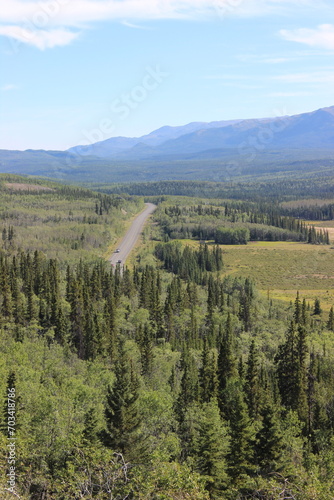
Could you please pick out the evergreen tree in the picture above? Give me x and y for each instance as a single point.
(121, 411)
(240, 457)
(252, 387)
(317, 307)
(189, 389)
(269, 446)
(146, 351)
(31, 305)
(330, 322)
(208, 375)
(302, 373)
(304, 315)
(6, 309)
(110, 326)
(211, 448)
(291, 370)
(226, 361)
(298, 311)
(90, 433)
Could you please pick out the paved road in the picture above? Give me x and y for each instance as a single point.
(132, 235)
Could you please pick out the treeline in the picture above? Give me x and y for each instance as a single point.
(322, 212)
(232, 236)
(190, 264)
(278, 190)
(235, 223)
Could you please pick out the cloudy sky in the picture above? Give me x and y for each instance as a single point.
(78, 71)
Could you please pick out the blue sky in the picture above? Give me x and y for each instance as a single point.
(78, 71)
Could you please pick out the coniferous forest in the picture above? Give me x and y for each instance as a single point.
(168, 377)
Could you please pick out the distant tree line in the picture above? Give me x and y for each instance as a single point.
(187, 263)
(235, 223)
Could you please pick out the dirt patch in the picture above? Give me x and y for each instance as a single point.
(20, 186)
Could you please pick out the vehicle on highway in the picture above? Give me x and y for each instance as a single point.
(119, 261)
(117, 251)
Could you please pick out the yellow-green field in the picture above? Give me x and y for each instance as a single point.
(284, 267)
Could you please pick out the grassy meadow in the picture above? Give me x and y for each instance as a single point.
(279, 269)
(282, 268)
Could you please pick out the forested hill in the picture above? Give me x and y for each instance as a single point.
(273, 190)
(171, 379)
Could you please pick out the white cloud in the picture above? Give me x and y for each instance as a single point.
(135, 26)
(263, 59)
(8, 86)
(321, 37)
(289, 94)
(42, 39)
(226, 77)
(74, 12)
(48, 19)
(316, 77)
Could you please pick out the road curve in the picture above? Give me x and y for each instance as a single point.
(131, 237)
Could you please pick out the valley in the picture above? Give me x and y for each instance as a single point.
(189, 338)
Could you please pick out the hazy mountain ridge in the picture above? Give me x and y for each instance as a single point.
(197, 150)
(308, 130)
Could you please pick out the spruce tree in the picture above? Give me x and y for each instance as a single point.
(268, 448)
(330, 322)
(240, 457)
(302, 349)
(146, 351)
(297, 312)
(7, 303)
(304, 315)
(208, 375)
(291, 370)
(121, 411)
(252, 386)
(317, 307)
(189, 388)
(210, 448)
(226, 361)
(287, 368)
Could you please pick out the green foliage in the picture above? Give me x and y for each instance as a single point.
(269, 441)
(226, 236)
(189, 264)
(291, 370)
(121, 411)
(61, 221)
(234, 222)
(211, 444)
(174, 380)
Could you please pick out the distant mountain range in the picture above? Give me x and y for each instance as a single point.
(310, 130)
(173, 152)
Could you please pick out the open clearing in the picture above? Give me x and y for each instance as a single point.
(281, 268)
(284, 267)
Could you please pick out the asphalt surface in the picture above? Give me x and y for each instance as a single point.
(132, 235)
